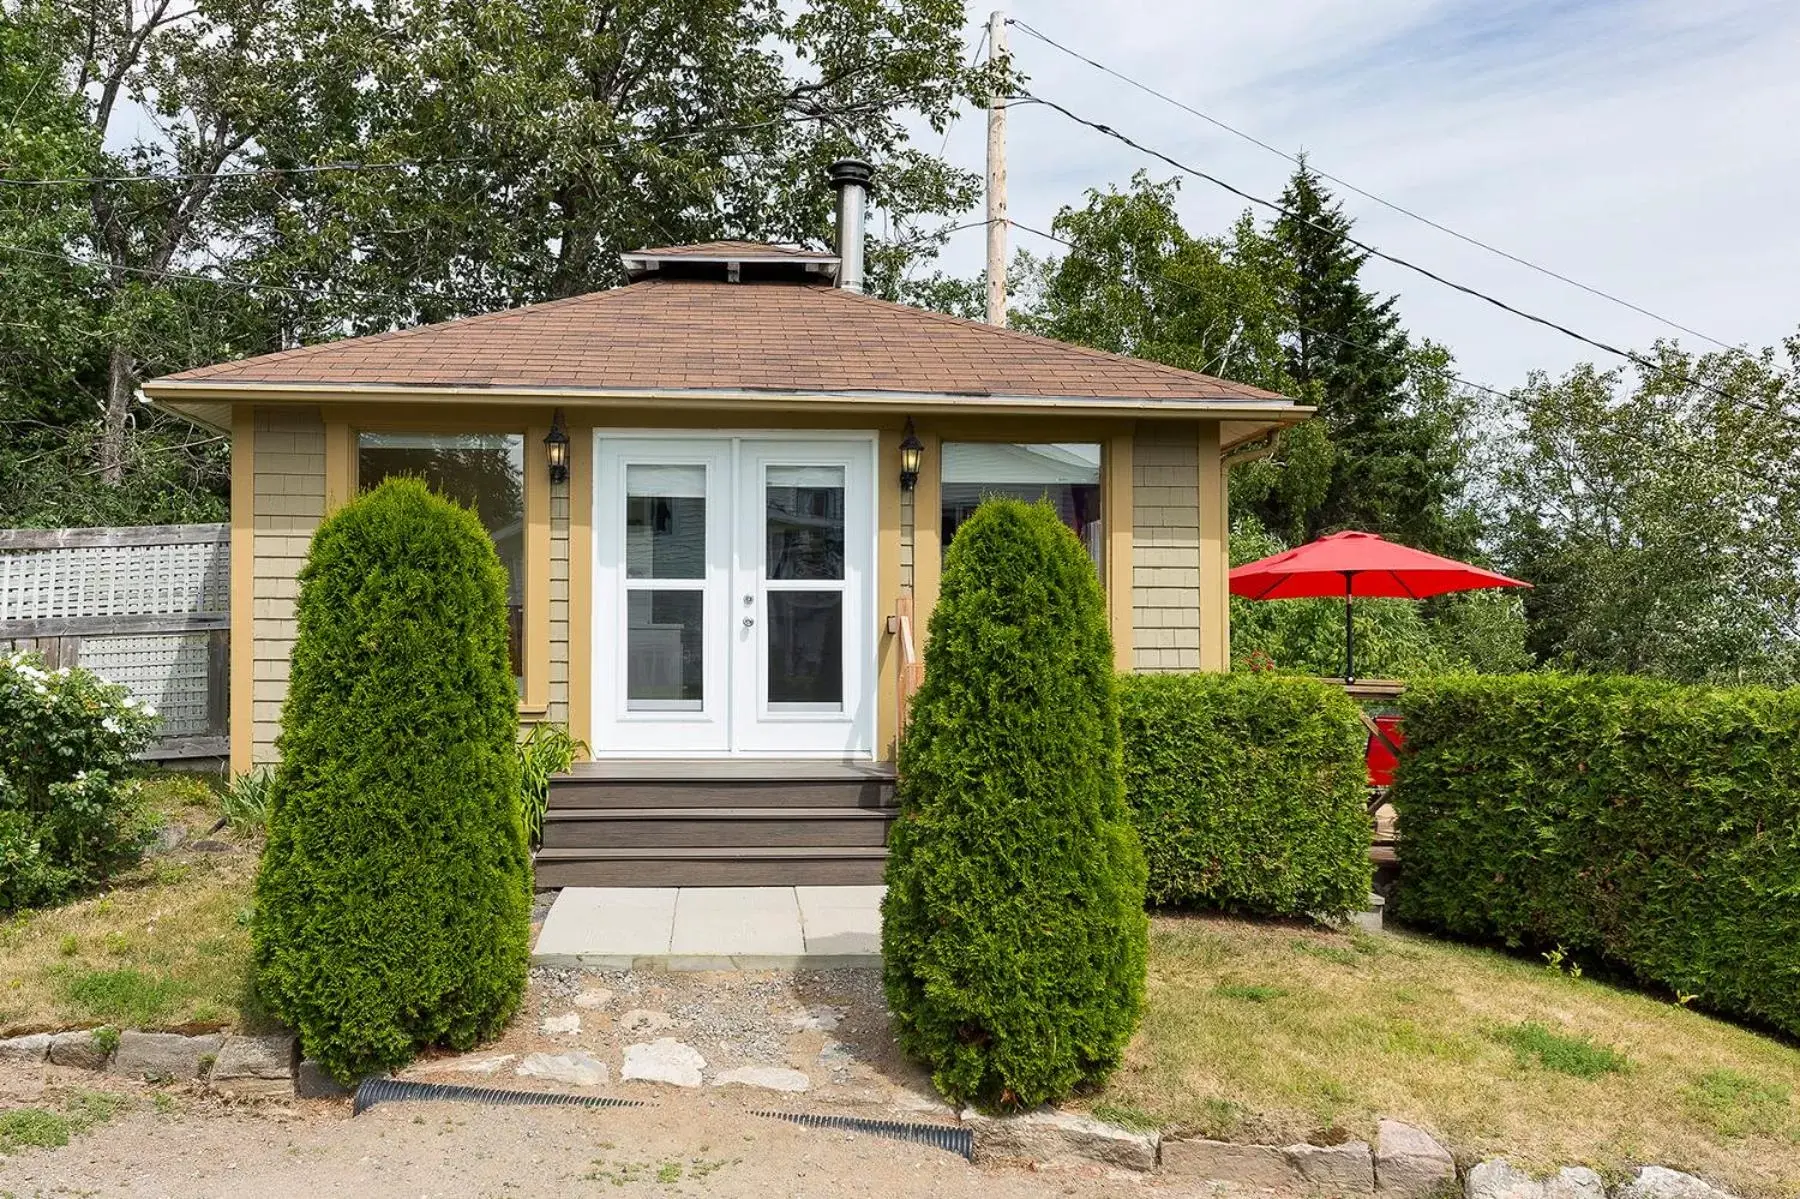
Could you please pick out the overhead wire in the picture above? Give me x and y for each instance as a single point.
(1374, 251)
(1509, 397)
(1369, 195)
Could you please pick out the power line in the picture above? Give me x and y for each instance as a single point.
(1368, 195)
(1506, 396)
(1376, 252)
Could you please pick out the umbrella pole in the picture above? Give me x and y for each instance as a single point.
(1349, 629)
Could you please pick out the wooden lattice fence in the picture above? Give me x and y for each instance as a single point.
(147, 607)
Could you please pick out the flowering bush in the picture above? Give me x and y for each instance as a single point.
(69, 811)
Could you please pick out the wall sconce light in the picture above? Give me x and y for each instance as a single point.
(912, 452)
(556, 449)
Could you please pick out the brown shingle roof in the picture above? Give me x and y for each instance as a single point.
(702, 335)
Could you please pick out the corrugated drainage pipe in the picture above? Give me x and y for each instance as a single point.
(395, 1090)
(955, 1138)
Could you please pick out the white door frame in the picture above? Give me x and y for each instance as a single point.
(733, 719)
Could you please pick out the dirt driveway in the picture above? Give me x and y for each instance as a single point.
(684, 1146)
(830, 1028)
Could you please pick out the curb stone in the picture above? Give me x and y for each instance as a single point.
(32, 1048)
(256, 1067)
(1048, 1135)
(163, 1056)
(78, 1049)
(1410, 1164)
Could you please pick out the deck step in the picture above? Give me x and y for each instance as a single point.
(629, 828)
(712, 866)
(724, 784)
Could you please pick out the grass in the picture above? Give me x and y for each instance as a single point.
(38, 1128)
(167, 947)
(1269, 1032)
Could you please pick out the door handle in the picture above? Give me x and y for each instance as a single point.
(748, 621)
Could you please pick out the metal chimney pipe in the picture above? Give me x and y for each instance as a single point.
(850, 176)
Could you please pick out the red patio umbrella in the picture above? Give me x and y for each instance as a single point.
(1352, 564)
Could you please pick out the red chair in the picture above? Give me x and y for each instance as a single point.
(1385, 743)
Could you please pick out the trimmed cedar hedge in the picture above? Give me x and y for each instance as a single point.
(1248, 792)
(1653, 826)
(1013, 934)
(393, 907)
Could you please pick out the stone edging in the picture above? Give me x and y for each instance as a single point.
(265, 1067)
(1404, 1162)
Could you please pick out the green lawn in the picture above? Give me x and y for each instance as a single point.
(1277, 1033)
(167, 946)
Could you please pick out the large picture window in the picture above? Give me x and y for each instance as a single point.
(483, 471)
(1066, 474)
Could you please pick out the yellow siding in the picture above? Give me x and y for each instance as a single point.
(289, 489)
(559, 604)
(1165, 547)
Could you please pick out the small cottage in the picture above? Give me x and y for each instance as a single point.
(722, 493)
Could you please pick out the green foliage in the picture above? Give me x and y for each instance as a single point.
(127, 997)
(1659, 520)
(546, 750)
(1013, 933)
(32, 1128)
(1247, 792)
(1577, 1056)
(1736, 1104)
(70, 815)
(1642, 823)
(246, 799)
(393, 903)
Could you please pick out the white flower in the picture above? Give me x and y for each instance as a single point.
(110, 725)
(63, 673)
(80, 776)
(149, 710)
(130, 702)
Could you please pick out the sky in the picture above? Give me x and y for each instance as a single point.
(1647, 148)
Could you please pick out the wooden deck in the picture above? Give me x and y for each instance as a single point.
(717, 823)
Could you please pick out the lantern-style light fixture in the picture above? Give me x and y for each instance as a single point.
(912, 451)
(556, 449)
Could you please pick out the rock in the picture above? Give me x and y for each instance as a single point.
(1047, 1135)
(211, 846)
(638, 1022)
(594, 997)
(1498, 1179)
(567, 1024)
(1575, 1182)
(163, 1056)
(1221, 1161)
(1347, 1169)
(837, 1055)
(312, 1082)
(1409, 1163)
(663, 1060)
(1658, 1182)
(769, 1078)
(32, 1048)
(255, 1067)
(818, 1019)
(77, 1049)
(577, 1068)
(469, 1065)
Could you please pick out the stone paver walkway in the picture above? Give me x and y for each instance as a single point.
(713, 928)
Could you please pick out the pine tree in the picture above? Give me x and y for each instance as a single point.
(1395, 466)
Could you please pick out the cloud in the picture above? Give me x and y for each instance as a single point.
(1645, 147)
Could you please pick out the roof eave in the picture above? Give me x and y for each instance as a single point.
(1263, 413)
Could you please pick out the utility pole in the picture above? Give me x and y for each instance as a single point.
(996, 181)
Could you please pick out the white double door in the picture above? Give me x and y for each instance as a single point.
(733, 587)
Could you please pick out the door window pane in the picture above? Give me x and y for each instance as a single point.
(483, 471)
(806, 647)
(665, 650)
(665, 522)
(805, 513)
(1066, 474)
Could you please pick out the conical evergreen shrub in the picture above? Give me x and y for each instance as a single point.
(393, 904)
(1013, 933)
